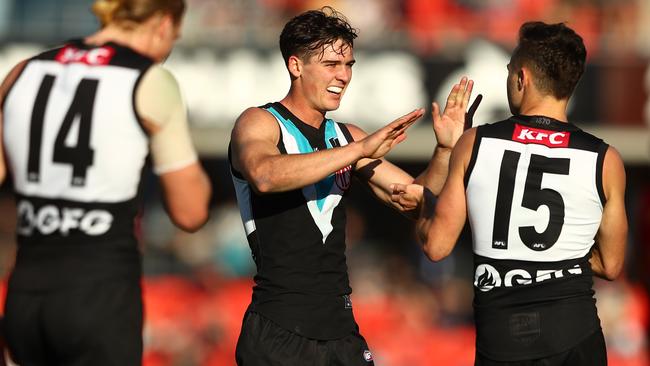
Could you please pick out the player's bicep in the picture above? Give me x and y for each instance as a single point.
(160, 107)
(254, 138)
(451, 208)
(448, 221)
(612, 233)
(171, 146)
(157, 97)
(614, 187)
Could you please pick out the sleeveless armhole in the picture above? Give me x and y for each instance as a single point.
(10, 88)
(602, 150)
(346, 132)
(134, 93)
(233, 171)
(472, 160)
(269, 107)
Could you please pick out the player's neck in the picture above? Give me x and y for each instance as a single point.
(545, 106)
(136, 38)
(301, 109)
(110, 34)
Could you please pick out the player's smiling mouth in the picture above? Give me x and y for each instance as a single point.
(335, 89)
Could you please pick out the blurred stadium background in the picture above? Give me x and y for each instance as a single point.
(409, 52)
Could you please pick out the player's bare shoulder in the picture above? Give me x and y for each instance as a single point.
(614, 176)
(462, 151)
(466, 139)
(9, 80)
(255, 122)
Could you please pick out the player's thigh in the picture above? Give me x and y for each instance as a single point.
(22, 329)
(350, 351)
(590, 352)
(264, 343)
(99, 324)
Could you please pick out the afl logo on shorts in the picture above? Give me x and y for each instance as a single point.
(367, 356)
(342, 178)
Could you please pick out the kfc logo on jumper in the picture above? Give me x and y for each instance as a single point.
(530, 135)
(96, 56)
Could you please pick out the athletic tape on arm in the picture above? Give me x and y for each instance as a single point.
(160, 104)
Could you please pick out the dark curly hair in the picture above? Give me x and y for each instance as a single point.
(307, 33)
(556, 55)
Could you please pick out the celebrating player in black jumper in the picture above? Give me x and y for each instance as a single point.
(292, 167)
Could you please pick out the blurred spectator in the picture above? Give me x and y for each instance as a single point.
(620, 26)
(622, 309)
(643, 34)
(220, 247)
(647, 96)
(614, 27)
(379, 21)
(5, 12)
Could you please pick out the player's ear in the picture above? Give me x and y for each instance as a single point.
(294, 64)
(167, 25)
(523, 77)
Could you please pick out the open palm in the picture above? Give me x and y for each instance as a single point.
(383, 140)
(449, 126)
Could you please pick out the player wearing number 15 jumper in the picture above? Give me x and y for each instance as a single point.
(545, 201)
(77, 124)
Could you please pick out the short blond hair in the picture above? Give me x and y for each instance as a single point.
(125, 12)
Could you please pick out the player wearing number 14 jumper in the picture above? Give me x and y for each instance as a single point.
(77, 124)
(545, 201)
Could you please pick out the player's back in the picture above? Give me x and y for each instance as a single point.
(535, 200)
(76, 151)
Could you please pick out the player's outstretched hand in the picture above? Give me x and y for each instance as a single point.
(378, 144)
(449, 126)
(407, 197)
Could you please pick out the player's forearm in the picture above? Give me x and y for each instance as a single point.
(435, 244)
(435, 174)
(596, 263)
(410, 212)
(425, 218)
(607, 271)
(442, 221)
(187, 194)
(440, 241)
(285, 172)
